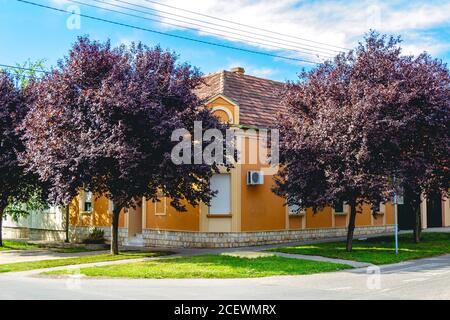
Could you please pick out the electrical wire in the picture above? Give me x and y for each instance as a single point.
(297, 44)
(168, 34)
(194, 29)
(242, 24)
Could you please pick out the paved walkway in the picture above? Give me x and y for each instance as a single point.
(441, 229)
(418, 279)
(354, 264)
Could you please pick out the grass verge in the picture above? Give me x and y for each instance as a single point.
(62, 248)
(379, 250)
(18, 245)
(31, 265)
(208, 266)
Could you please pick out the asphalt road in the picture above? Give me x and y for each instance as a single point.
(420, 279)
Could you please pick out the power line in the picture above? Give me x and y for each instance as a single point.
(307, 46)
(18, 76)
(194, 29)
(241, 24)
(316, 52)
(168, 34)
(23, 68)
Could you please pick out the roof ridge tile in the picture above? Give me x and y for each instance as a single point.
(257, 97)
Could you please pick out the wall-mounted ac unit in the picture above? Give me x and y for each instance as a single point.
(255, 177)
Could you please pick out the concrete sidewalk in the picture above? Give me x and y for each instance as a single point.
(354, 264)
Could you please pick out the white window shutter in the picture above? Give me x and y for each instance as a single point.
(221, 203)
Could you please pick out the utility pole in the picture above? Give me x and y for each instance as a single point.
(396, 200)
(396, 222)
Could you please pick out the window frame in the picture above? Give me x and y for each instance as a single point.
(344, 211)
(230, 196)
(162, 199)
(84, 196)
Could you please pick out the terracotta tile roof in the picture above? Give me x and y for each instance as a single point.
(257, 98)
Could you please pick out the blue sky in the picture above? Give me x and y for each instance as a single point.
(28, 32)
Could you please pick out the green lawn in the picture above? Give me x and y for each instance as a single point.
(31, 265)
(379, 250)
(17, 245)
(209, 266)
(63, 248)
(75, 249)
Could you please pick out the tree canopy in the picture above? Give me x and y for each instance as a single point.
(103, 121)
(355, 122)
(16, 184)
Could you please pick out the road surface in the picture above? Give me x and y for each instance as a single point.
(420, 279)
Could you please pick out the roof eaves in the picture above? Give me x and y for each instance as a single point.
(221, 95)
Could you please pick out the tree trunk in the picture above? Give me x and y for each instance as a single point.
(351, 226)
(115, 231)
(418, 224)
(67, 211)
(2, 209)
(413, 202)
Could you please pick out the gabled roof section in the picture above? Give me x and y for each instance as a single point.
(257, 98)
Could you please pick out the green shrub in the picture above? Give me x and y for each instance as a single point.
(95, 236)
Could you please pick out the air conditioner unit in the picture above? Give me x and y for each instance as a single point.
(255, 177)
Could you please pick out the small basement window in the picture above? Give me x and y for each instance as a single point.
(339, 207)
(294, 209)
(87, 201)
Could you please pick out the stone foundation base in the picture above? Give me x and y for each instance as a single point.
(33, 234)
(180, 239)
(184, 239)
(80, 233)
(76, 234)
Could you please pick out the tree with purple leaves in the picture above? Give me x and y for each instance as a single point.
(103, 121)
(354, 123)
(416, 109)
(16, 184)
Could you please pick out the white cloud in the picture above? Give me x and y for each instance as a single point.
(257, 71)
(336, 23)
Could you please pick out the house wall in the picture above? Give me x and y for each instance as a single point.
(47, 224)
(389, 214)
(364, 216)
(319, 219)
(261, 208)
(340, 221)
(255, 209)
(446, 212)
(296, 222)
(99, 217)
(220, 105)
(47, 219)
(161, 215)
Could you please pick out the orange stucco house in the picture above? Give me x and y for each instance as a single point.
(244, 212)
